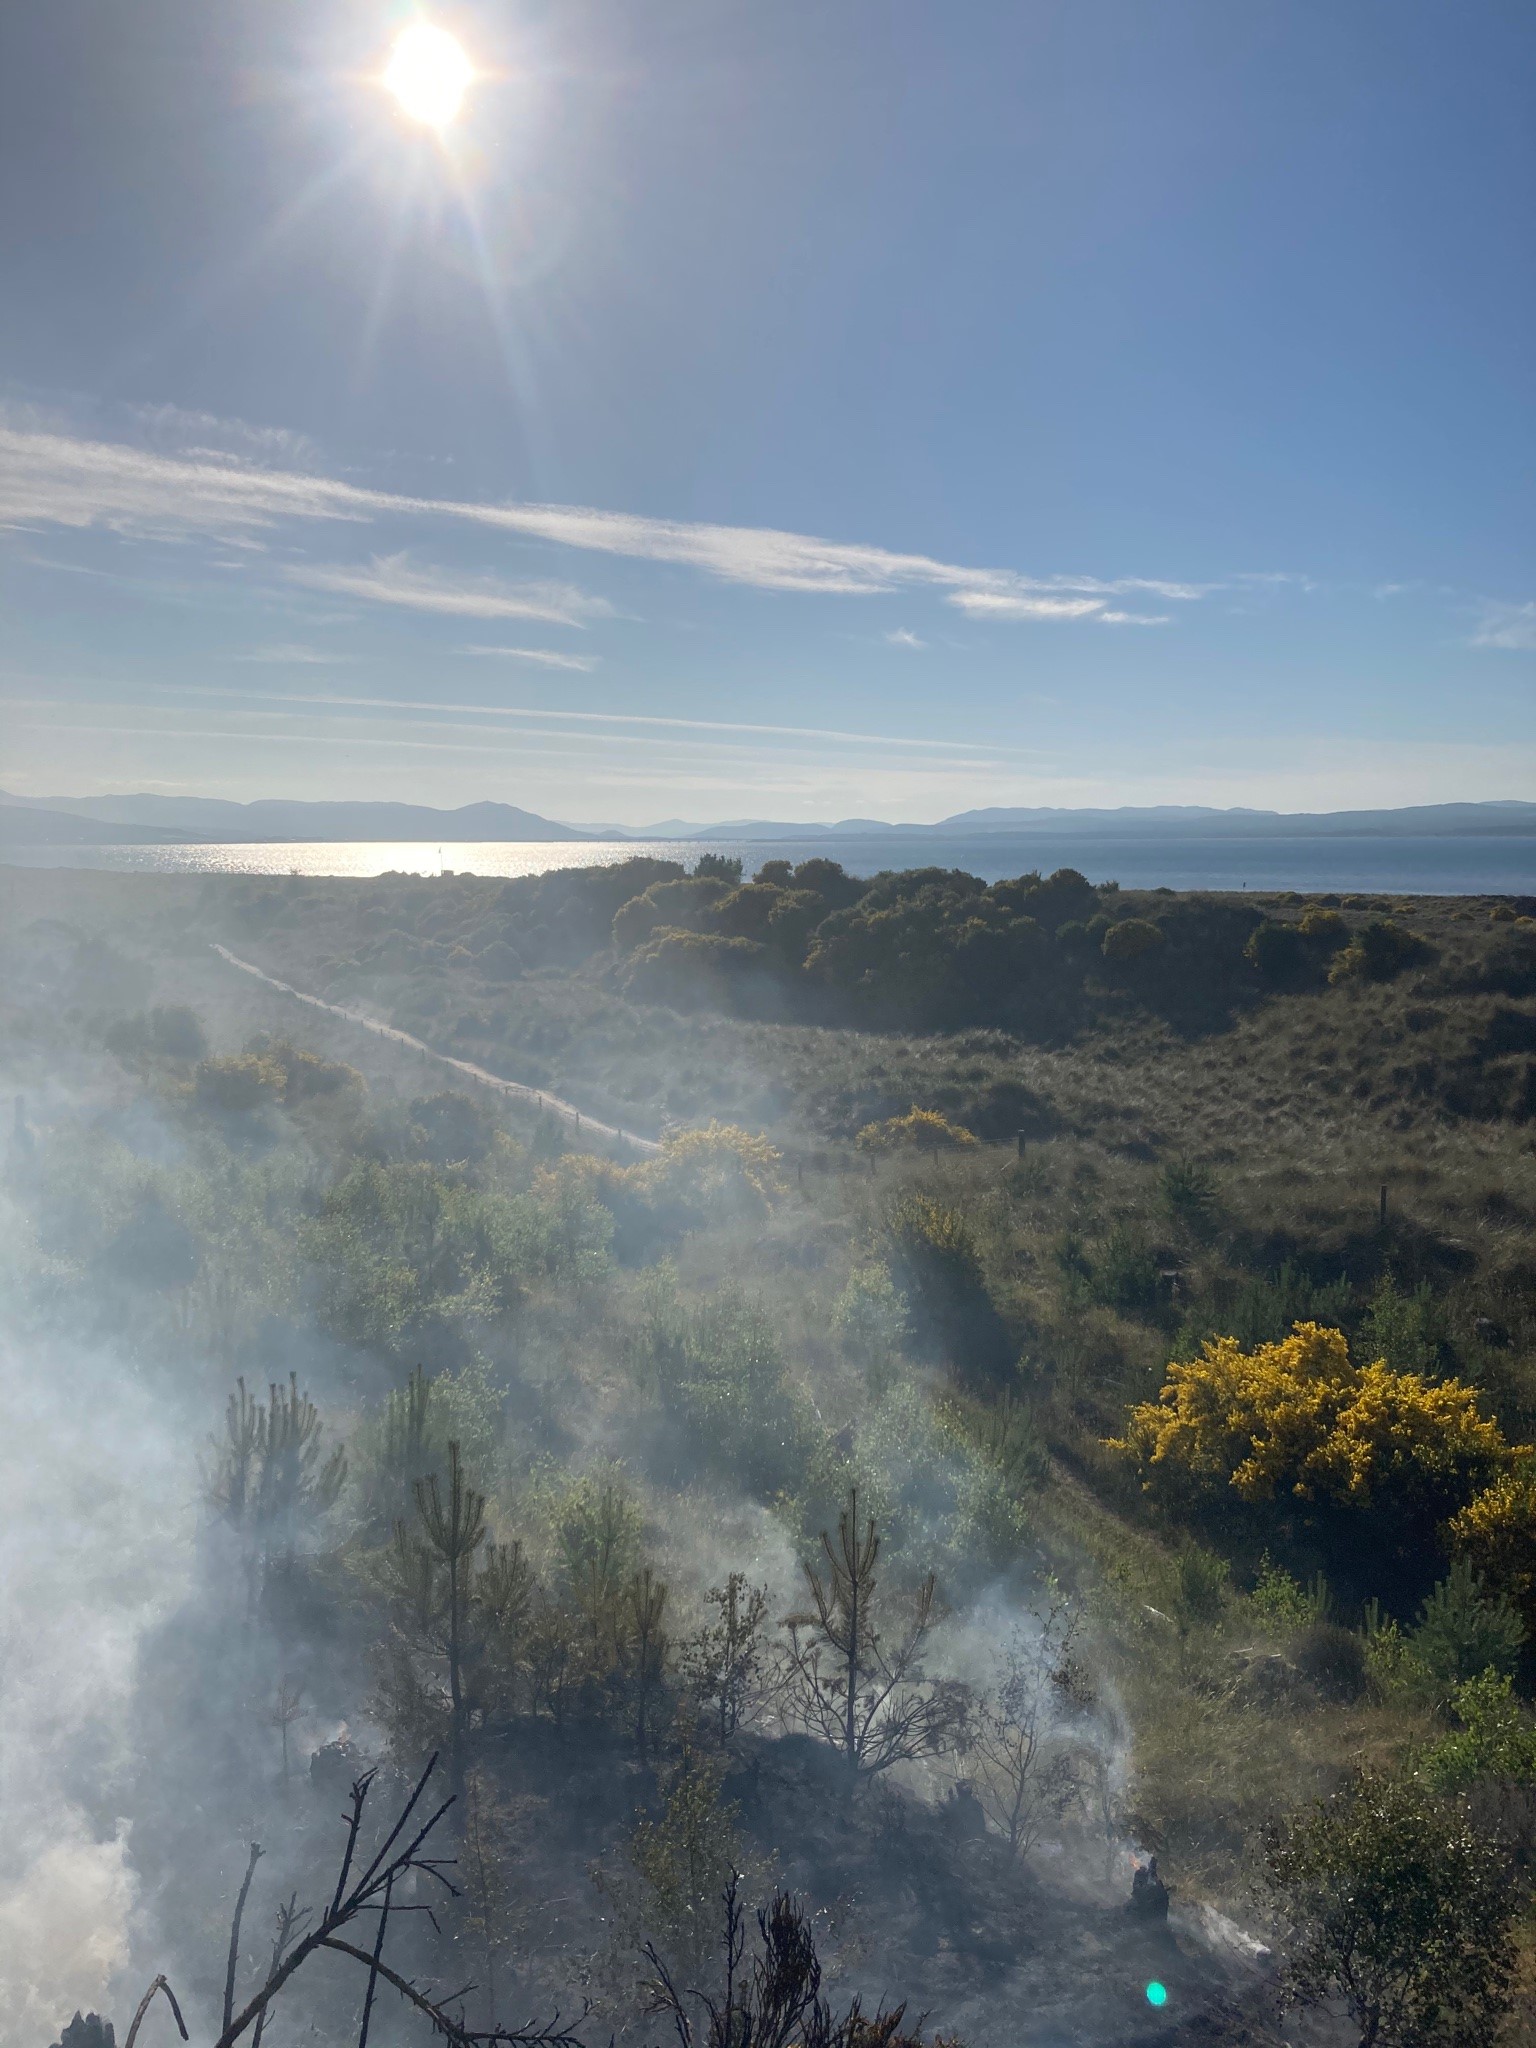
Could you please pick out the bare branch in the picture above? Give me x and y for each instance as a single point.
(373, 1972)
(355, 1820)
(160, 1984)
(397, 1830)
(288, 1919)
(234, 1933)
(551, 2036)
(289, 1955)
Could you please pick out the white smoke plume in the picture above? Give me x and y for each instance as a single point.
(95, 1547)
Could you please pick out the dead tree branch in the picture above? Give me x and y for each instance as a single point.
(400, 1854)
(234, 1933)
(145, 2002)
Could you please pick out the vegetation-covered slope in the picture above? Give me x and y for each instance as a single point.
(1152, 1624)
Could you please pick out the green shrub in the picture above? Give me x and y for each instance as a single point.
(176, 1032)
(1125, 1276)
(1400, 1910)
(172, 1032)
(1396, 1327)
(1278, 951)
(1200, 1593)
(718, 867)
(1190, 1196)
(1378, 951)
(1334, 1659)
(937, 1263)
(1283, 1602)
(451, 1129)
(500, 962)
(667, 905)
(719, 1373)
(396, 1245)
(1463, 1630)
(685, 969)
(1267, 1307)
(869, 1317)
(1496, 1739)
(237, 1085)
(942, 1503)
(1132, 939)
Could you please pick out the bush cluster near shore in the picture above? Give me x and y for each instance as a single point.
(930, 948)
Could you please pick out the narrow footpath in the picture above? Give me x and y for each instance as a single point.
(538, 1098)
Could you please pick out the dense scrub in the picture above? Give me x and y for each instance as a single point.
(1197, 1478)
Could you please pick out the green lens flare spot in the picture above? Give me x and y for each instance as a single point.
(1157, 1994)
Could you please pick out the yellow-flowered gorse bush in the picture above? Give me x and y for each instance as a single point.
(1299, 1420)
(921, 1129)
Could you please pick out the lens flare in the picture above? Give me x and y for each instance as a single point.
(1157, 1994)
(429, 74)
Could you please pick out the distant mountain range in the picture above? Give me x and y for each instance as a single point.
(147, 819)
(143, 819)
(29, 825)
(1141, 821)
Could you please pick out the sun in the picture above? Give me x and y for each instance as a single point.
(429, 74)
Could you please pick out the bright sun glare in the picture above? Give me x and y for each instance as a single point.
(428, 73)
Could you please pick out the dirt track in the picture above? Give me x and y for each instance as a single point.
(539, 1098)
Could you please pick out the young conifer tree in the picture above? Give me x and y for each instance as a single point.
(405, 1452)
(856, 1676)
(270, 1479)
(647, 1647)
(437, 1561)
(725, 1663)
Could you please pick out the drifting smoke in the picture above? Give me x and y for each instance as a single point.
(168, 1697)
(95, 1548)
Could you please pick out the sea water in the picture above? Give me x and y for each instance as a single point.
(1422, 866)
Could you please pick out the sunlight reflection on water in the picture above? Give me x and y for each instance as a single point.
(1437, 865)
(357, 858)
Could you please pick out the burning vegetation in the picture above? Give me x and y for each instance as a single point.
(1014, 1532)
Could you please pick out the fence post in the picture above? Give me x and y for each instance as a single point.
(1020, 1137)
(1382, 1212)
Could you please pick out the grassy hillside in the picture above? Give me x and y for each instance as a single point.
(1134, 1148)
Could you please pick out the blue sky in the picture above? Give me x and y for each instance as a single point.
(866, 408)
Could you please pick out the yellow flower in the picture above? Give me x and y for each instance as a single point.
(1496, 1532)
(1299, 1418)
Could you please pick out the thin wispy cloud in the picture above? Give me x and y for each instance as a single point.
(903, 636)
(1135, 618)
(1002, 604)
(339, 702)
(59, 480)
(545, 744)
(1276, 578)
(540, 657)
(1509, 626)
(294, 655)
(215, 435)
(391, 579)
(49, 478)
